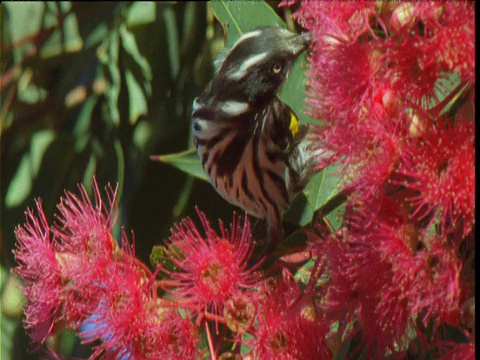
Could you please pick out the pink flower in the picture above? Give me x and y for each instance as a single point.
(373, 66)
(363, 287)
(179, 339)
(377, 80)
(380, 278)
(361, 47)
(76, 274)
(441, 169)
(132, 323)
(341, 76)
(450, 28)
(85, 226)
(289, 325)
(64, 268)
(41, 273)
(211, 268)
(439, 291)
(86, 248)
(459, 351)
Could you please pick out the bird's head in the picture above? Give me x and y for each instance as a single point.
(257, 64)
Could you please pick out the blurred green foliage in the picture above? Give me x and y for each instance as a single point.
(96, 89)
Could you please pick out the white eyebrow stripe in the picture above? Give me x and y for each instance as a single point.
(194, 105)
(247, 64)
(234, 108)
(248, 35)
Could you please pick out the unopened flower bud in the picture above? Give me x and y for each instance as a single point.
(401, 16)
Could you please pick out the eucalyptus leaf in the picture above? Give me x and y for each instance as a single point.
(187, 161)
(25, 20)
(322, 187)
(21, 185)
(293, 91)
(119, 152)
(141, 13)
(129, 44)
(137, 101)
(172, 40)
(31, 94)
(335, 217)
(302, 275)
(65, 36)
(239, 17)
(108, 55)
(300, 211)
(9, 327)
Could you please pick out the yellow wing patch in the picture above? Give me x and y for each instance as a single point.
(293, 124)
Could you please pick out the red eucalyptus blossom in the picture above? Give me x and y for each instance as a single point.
(440, 168)
(41, 273)
(289, 325)
(211, 268)
(76, 274)
(378, 279)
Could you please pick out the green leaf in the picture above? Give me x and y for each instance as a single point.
(335, 217)
(454, 92)
(444, 86)
(137, 101)
(186, 161)
(90, 169)
(172, 40)
(108, 54)
(319, 191)
(129, 44)
(239, 17)
(162, 255)
(119, 152)
(12, 298)
(300, 211)
(293, 91)
(84, 118)
(183, 198)
(9, 343)
(28, 92)
(25, 20)
(66, 36)
(142, 134)
(67, 341)
(141, 13)
(159, 255)
(29, 15)
(302, 275)
(322, 187)
(21, 185)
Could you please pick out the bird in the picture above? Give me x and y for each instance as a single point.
(251, 145)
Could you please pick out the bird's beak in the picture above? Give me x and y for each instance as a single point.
(301, 42)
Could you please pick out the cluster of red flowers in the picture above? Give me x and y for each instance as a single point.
(394, 84)
(382, 76)
(76, 276)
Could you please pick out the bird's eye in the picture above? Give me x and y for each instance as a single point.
(277, 68)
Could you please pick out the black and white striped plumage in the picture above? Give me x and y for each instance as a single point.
(242, 130)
